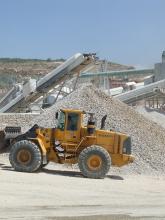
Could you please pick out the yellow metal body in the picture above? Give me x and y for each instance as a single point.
(75, 140)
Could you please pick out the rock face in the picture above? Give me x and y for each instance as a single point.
(148, 138)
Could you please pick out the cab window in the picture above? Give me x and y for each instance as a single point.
(72, 124)
(61, 121)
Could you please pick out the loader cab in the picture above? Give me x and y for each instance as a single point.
(60, 116)
(68, 126)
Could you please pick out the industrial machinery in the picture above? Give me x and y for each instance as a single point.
(19, 98)
(95, 150)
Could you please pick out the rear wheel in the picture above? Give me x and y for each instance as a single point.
(25, 156)
(94, 162)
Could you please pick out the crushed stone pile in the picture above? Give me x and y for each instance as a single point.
(16, 119)
(148, 138)
(155, 116)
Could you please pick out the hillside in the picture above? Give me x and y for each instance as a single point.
(15, 70)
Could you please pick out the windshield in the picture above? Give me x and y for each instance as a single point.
(61, 121)
(72, 121)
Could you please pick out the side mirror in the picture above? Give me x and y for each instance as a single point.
(56, 115)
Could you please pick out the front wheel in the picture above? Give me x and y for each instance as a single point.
(94, 162)
(25, 156)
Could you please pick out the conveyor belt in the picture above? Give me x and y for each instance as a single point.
(141, 93)
(70, 67)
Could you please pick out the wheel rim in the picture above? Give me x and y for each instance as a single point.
(94, 162)
(24, 156)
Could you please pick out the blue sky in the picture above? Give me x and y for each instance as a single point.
(124, 31)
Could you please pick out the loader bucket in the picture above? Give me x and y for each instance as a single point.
(6, 135)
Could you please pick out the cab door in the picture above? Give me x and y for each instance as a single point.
(60, 129)
(72, 129)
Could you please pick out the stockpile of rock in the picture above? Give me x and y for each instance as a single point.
(156, 116)
(16, 119)
(148, 138)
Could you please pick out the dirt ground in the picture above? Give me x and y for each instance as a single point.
(60, 193)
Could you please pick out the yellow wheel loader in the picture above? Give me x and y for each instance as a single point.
(95, 150)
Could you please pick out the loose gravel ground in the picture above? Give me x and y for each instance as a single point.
(58, 192)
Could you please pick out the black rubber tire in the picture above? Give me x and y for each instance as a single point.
(44, 165)
(105, 162)
(36, 157)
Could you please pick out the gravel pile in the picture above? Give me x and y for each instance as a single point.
(148, 138)
(155, 116)
(16, 119)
